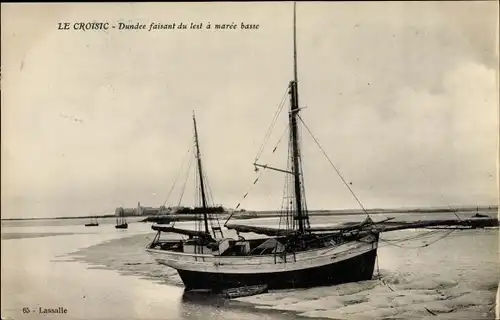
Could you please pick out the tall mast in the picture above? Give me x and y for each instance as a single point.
(200, 172)
(295, 77)
(294, 110)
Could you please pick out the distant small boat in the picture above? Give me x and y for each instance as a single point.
(480, 215)
(93, 223)
(121, 222)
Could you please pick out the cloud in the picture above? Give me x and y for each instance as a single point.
(403, 96)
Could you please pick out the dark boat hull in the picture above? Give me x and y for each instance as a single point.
(122, 226)
(357, 268)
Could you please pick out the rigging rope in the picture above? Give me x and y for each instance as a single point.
(244, 196)
(446, 234)
(197, 201)
(177, 176)
(285, 203)
(303, 183)
(281, 138)
(346, 184)
(334, 167)
(379, 276)
(211, 202)
(275, 118)
(255, 181)
(185, 182)
(210, 197)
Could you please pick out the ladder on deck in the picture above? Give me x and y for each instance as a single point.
(214, 229)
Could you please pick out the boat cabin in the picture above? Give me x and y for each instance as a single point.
(215, 248)
(197, 244)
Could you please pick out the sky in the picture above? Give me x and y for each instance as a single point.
(403, 97)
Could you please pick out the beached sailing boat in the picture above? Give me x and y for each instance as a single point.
(93, 222)
(121, 221)
(293, 255)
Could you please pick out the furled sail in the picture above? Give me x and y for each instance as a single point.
(272, 232)
(187, 232)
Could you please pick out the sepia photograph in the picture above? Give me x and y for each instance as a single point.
(250, 160)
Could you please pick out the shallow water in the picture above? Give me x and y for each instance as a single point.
(104, 273)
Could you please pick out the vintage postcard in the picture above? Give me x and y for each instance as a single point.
(250, 160)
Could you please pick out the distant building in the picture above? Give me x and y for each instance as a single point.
(138, 210)
(149, 211)
(126, 211)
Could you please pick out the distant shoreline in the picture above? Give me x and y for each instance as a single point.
(61, 218)
(270, 214)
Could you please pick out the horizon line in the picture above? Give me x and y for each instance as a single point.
(447, 208)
